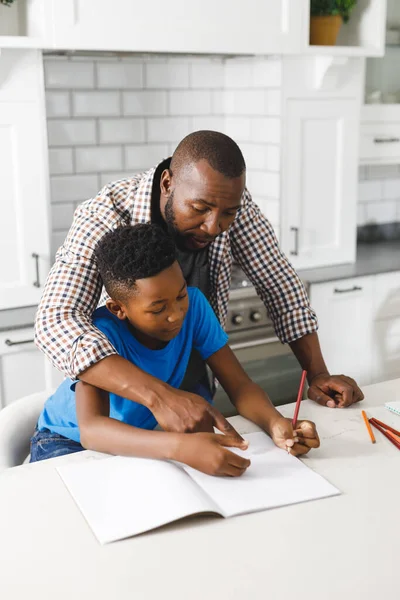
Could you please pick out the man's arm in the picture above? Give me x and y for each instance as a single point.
(254, 404)
(203, 451)
(328, 390)
(256, 249)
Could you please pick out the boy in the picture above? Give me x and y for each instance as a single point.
(153, 320)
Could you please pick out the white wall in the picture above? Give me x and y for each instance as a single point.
(379, 194)
(109, 117)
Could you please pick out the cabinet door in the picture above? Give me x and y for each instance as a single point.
(386, 327)
(319, 182)
(344, 311)
(24, 240)
(226, 26)
(24, 370)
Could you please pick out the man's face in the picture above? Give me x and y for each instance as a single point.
(199, 204)
(157, 307)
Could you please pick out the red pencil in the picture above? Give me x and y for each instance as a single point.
(299, 398)
(387, 427)
(375, 424)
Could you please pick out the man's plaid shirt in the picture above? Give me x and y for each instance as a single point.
(64, 331)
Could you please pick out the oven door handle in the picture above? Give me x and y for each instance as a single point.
(260, 342)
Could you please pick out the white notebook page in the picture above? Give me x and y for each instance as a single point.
(274, 478)
(120, 497)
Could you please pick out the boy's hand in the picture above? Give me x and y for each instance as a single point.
(299, 441)
(206, 452)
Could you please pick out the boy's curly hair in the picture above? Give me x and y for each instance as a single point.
(130, 253)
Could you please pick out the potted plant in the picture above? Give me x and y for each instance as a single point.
(327, 17)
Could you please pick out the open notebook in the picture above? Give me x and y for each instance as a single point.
(121, 497)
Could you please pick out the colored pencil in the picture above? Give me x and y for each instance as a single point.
(394, 436)
(386, 426)
(397, 444)
(299, 398)
(368, 426)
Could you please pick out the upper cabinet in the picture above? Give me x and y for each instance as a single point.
(24, 179)
(225, 26)
(380, 127)
(210, 26)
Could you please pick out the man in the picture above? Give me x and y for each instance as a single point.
(199, 196)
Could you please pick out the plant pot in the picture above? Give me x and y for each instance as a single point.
(324, 30)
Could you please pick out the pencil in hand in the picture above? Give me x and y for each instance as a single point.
(368, 426)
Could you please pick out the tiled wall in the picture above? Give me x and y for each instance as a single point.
(109, 117)
(379, 194)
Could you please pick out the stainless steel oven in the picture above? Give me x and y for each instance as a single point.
(268, 363)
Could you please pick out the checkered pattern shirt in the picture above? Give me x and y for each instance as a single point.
(73, 290)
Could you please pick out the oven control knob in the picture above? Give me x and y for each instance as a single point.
(237, 319)
(255, 316)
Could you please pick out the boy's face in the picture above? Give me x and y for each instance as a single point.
(157, 308)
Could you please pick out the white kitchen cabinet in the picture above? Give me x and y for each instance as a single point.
(344, 309)
(24, 240)
(380, 133)
(226, 26)
(319, 183)
(386, 326)
(24, 370)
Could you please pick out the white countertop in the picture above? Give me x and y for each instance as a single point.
(342, 547)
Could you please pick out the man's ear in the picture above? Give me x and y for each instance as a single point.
(165, 182)
(116, 309)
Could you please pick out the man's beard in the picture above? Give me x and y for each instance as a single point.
(172, 225)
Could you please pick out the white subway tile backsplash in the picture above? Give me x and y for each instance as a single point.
(361, 215)
(369, 191)
(119, 75)
(106, 178)
(73, 188)
(211, 122)
(58, 104)
(267, 73)
(167, 129)
(121, 131)
(73, 132)
(61, 216)
(265, 130)
(60, 161)
(255, 155)
(207, 76)
(381, 212)
(96, 104)
(273, 158)
(167, 76)
(263, 184)
(190, 102)
(391, 189)
(245, 102)
(238, 128)
(69, 74)
(143, 103)
(95, 159)
(382, 171)
(143, 157)
(274, 102)
(270, 208)
(238, 74)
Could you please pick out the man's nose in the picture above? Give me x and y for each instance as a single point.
(211, 227)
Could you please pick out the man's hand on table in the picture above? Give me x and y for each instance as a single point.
(334, 391)
(183, 412)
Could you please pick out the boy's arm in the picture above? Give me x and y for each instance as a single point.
(203, 451)
(254, 404)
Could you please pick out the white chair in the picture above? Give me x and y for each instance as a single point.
(17, 424)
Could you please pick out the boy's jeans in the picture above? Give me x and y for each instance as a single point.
(46, 444)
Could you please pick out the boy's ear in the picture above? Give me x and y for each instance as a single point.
(116, 309)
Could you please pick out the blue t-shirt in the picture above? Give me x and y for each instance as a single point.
(201, 330)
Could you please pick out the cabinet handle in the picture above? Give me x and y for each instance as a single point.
(11, 343)
(392, 140)
(295, 252)
(36, 257)
(355, 288)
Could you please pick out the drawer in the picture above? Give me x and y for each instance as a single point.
(16, 340)
(380, 142)
(386, 297)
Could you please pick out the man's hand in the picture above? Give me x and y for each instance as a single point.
(206, 452)
(298, 441)
(334, 391)
(183, 412)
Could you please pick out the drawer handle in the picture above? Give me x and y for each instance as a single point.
(392, 140)
(295, 252)
(355, 288)
(11, 343)
(36, 257)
